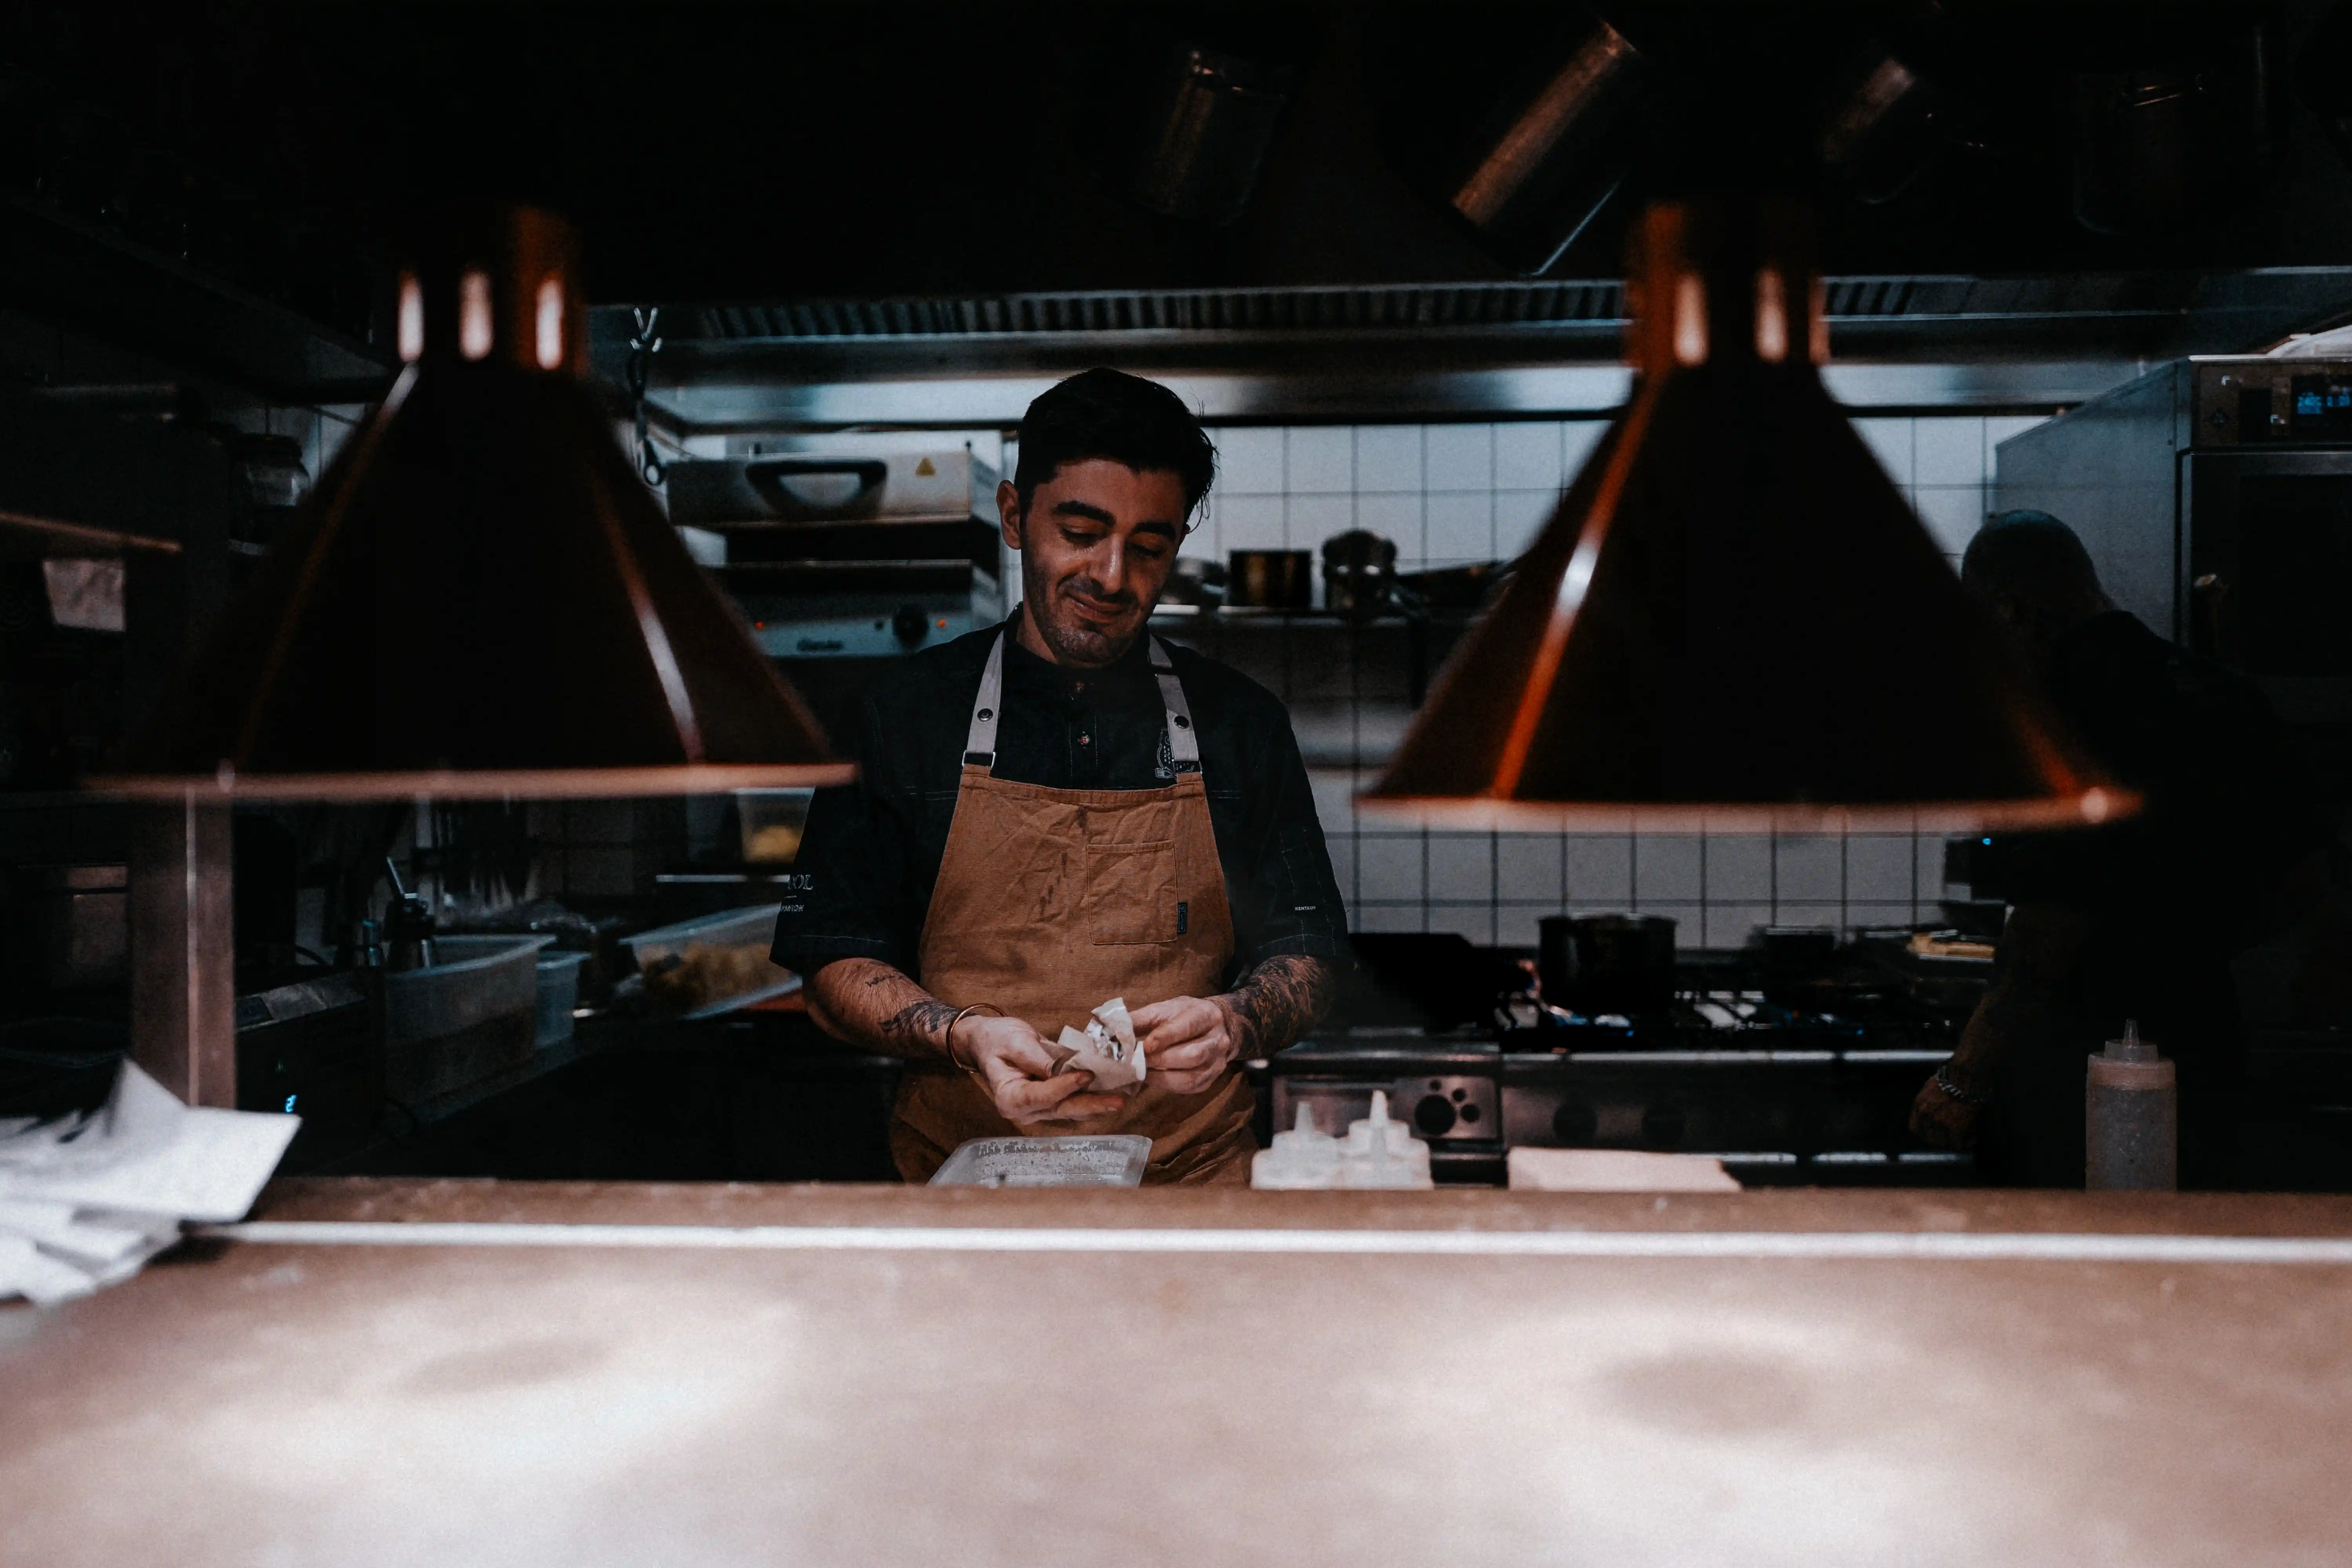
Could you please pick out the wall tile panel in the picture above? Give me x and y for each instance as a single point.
(1599, 868)
(1388, 459)
(1459, 457)
(1948, 450)
(1668, 869)
(1527, 456)
(1528, 868)
(1320, 459)
(1250, 460)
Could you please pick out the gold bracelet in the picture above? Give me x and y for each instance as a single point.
(947, 1035)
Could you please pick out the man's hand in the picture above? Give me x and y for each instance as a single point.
(1187, 1041)
(1942, 1122)
(1012, 1063)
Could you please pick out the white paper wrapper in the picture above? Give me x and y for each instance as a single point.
(1094, 1049)
(1112, 1015)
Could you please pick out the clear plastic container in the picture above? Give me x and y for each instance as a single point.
(468, 1016)
(559, 994)
(713, 963)
(477, 978)
(772, 820)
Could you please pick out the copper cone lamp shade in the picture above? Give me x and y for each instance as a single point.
(480, 598)
(1733, 621)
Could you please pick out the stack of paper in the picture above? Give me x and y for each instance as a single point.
(85, 1200)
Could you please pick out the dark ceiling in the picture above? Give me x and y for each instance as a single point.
(769, 151)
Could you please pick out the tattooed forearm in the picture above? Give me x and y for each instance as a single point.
(1280, 1000)
(870, 1003)
(921, 1024)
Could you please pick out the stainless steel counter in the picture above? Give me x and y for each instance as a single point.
(637, 1374)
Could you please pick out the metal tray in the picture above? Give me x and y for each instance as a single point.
(1112, 1159)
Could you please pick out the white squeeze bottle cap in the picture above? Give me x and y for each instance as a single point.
(2131, 1047)
(2131, 1062)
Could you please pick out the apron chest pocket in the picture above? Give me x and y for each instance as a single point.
(1130, 896)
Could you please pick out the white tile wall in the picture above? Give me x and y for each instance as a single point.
(1388, 459)
(1449, 493)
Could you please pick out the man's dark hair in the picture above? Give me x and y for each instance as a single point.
(2031, 559)
(1103, 412)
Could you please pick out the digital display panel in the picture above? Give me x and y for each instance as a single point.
(2322, 405)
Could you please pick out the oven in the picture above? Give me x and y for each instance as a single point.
(848, 547)
(2215, 495)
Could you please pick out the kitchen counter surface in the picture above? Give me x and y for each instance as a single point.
(648, 1374)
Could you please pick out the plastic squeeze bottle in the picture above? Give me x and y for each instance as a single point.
(1379, 1152)
(2131, 1118)
(1303, 1157)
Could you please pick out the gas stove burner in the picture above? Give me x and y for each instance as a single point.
(1864, 992)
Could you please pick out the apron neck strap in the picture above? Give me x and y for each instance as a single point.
(979, 741)
(1183, 745)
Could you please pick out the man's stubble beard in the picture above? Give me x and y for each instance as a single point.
(1069, 645)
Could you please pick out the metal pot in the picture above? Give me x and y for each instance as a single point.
(1359, 573)
(1216, 120)
(1268, 580)
(1195, 582)
(1607, 963)
(1552, 155)
(1794, 957)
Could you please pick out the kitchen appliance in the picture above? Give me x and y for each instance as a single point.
(866, 546)
(2214, 495)
(1813, 1093)
(313, 1047)
(1785, 1112)
(1268, 580)
(1655, 662)
(1606, 963)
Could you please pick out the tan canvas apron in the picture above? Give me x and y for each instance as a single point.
(1050, 901)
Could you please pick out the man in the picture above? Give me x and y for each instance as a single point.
(2137, 920)
(1061, 810)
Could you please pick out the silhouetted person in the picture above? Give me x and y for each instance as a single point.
(2134, 920)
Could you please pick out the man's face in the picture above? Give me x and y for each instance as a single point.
(1096, 543)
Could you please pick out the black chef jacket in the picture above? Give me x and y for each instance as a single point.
(871, 850)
